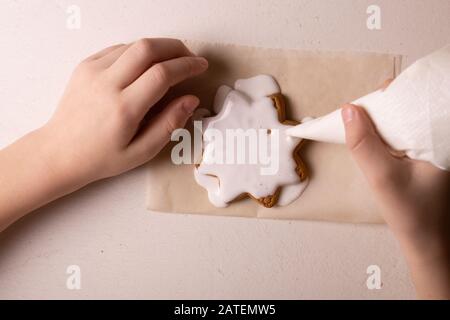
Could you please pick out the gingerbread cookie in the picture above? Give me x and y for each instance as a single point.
(260, 160)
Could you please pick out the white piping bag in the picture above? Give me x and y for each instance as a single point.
(412, 115)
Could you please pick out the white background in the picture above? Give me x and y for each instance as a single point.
(125, 251)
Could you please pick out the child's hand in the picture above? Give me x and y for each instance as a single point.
(414, 198)
(98, 129)
(98, 122)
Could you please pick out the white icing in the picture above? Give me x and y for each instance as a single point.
(212, 186)
(290, 193)
(258, 87)
(248, 106)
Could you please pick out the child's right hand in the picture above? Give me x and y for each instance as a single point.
(414, 198)
(97, 126)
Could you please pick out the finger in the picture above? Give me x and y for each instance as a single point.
(155, 82)
(386, 84)
(108, 59)
(142, 55)
(103, 52)
(367, 148)
(157, 133)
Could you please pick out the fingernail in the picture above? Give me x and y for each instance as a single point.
(348, 113)
(190, 105)
(202, 61)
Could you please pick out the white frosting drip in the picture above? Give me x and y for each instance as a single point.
(290, 193)
(248, 106)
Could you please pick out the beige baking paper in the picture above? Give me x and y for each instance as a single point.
(313, 83)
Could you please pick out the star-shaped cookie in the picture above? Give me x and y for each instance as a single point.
(228, 170)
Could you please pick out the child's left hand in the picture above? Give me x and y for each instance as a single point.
(98, 123)
(97, 130)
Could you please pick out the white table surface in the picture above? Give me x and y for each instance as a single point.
(125, 251)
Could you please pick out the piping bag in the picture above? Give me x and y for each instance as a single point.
(411, 115)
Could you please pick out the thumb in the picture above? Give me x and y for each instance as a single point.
(157, 133)
(367, 148)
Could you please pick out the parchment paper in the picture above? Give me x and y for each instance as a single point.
(313, 83)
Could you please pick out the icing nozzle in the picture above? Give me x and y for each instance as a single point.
(328, 128)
